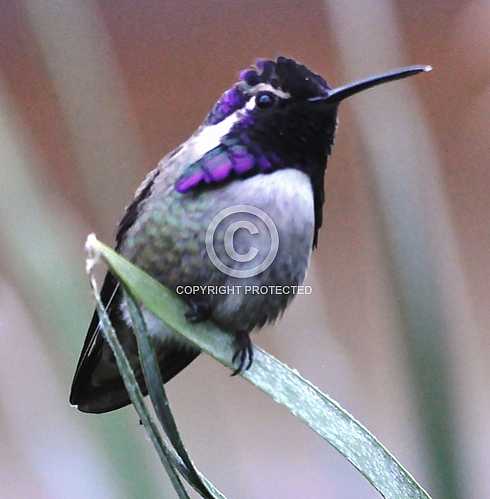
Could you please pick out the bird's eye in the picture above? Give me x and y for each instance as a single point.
(265, 99)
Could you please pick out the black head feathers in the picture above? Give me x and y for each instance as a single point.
(282, 74)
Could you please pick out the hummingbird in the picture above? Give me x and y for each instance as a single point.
(257, 162)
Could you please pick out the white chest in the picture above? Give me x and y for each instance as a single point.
(285, 195)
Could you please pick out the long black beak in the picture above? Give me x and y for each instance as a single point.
(340, 93)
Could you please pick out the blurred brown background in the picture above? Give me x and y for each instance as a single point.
(93, 93)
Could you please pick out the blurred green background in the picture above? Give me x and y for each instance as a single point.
(94, 93)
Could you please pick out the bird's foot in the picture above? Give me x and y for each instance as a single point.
(198, 312)
(244, 352)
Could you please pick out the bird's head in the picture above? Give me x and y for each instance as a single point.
(278, 115)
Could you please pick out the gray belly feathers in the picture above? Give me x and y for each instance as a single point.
(177, 255)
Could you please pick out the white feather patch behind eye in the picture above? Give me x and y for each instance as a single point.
(266, 87)
(209, 137)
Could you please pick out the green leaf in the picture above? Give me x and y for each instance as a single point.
(286, 386)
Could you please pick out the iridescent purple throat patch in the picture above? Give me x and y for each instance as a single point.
(222, 163)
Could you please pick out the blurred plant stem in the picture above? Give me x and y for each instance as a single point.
(43, 255)
(403, 168)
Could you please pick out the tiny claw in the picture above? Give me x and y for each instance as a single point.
(250, 351)
(244, 352)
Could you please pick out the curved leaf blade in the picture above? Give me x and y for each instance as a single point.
(286, 386)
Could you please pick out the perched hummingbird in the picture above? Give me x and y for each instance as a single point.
(258, 158)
